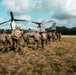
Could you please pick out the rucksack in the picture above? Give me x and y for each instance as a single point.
(3, 37)
(43, 37)
(16, 34)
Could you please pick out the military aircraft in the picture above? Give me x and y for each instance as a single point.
(12, 24)
(41, 25)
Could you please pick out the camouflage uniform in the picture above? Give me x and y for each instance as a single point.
(59, 36)
(3, 40)
(46, 37)
(49, 36)
(43, 38)
(36, 38)
(53, 36)
(16, 34)
(26, 38)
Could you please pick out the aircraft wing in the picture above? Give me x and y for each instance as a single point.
(5, 22)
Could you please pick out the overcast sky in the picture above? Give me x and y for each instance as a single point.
(63, 12)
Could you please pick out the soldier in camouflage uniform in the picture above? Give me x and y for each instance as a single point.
(59, 36)
(16, 34)
(46, 37)
(26, 38)
(49, 36)
(3, 40)
(36, 38)
(43, 38)
(53, 36)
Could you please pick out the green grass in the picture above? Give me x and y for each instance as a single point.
(58, 58)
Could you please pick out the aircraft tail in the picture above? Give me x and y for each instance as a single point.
(53, 26)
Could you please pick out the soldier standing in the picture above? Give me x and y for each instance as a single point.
(49, 36)
(36, 38)
(46, 37)
(3, 40)
(59, 36)
(43, 38)
(26, 38)
(53, 36)
(16, 34)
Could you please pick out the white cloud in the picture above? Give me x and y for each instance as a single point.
(24, 17)
(45, 5)
(17, 5)
(25, 5)
(69, 6)
(60, 9)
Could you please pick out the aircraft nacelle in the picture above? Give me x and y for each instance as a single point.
(13, 25)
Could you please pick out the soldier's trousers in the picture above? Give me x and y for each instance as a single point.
(48, 39)
(26, 41)
(4, 49)
(16, 45)
(59, 38)
(42, 43)
(36, 43)
(53, 38)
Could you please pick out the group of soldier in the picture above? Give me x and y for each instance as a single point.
(43, 37)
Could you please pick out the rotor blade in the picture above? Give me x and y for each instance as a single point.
(36, 22)
(5, 22)
(39, 26)
(12, 17)
(49, 21)
(19, 20)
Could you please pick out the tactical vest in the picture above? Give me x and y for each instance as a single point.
(25, 36)
(16, 34)
(3, 37)
(43, 36)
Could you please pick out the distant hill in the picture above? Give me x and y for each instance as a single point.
(65, 30)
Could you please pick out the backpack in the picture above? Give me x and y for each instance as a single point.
(3, 38)
(43, 37)
(16, 34)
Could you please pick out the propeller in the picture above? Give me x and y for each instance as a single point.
(39, 26)
(19, 20)
(37, 22)
(12, 18)
(5, 22)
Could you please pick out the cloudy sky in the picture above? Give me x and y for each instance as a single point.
(63, 12)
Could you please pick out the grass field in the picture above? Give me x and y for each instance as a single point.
(58, 58)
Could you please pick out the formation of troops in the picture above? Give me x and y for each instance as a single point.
(42, 39)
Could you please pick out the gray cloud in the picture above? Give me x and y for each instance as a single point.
(63, 16)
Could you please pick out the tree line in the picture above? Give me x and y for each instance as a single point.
(63, 30)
